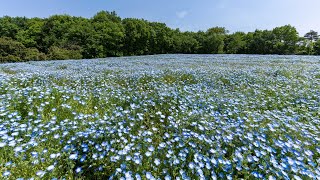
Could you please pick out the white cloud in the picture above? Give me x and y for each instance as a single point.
(182, 14)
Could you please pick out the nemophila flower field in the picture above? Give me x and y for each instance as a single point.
(161, 117)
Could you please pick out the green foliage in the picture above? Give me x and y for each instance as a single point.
(9, 26)
(286, 38)
(33, 54)
(261, 42)
(304, 47)
(10, 58)
(10, 50)
(61, 53)
(106, 34)
(8, 71)
(31, 35)
(14, 51)
(235, 43)
(185, 43)
(109, 34)
(312, 35)
(160, 38)
(55, 31)
(316, 47)
(214, 40)
(137, 35)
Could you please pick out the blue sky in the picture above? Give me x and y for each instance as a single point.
(192, 15)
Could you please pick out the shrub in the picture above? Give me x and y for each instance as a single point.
(10, 50)
(61, 53)
(33, 54)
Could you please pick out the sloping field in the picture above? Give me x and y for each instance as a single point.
(164, 116)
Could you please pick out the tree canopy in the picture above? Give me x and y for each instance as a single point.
(106, 34)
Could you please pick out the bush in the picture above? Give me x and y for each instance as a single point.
(61, 53)
(10, 50)
(9, 58)
(33, 54)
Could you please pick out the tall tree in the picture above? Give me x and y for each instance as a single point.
(286, 38)
(316, 47)
(55, 31)
(9, 26)
(184, 43)
(31, 35)
(235, 43)
(312, 35)
(260, 42)
(214, 40)
(137, 36)
(160, 38)
(108, 35)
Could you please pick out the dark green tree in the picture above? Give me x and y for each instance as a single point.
(214, 40)
(9, 27)
(260, 42)
(312, 35)
(161, 39)
(14, 51)
(316, 47)
(10, 50)
(235, 43)
(137, 36)
(55, 31)
(31, 35)
(108, 35)
(311, 38)
(184, 43)
(286, 38)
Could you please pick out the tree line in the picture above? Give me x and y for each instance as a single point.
(106, 34)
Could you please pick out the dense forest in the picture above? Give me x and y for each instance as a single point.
(106, 34)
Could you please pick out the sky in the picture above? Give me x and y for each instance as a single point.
(187, 15)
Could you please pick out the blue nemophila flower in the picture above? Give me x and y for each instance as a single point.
(50, 168)
(202, 127)
(138, 177)
(18, 149)
(40, 173)
(149, 175)
(167, 177)
(9, 163)
(78, 170)
(191, 165)
(128, 175)
(297, 177)
(73, 156)
(309, 153)
(56, 136)
(83, 158)
(12, 143)
(151, 148)
(53, 156)
(162, 145)
(6, 173)
(148, 153)
(2, 144)
(137, 160)
(157, 162)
